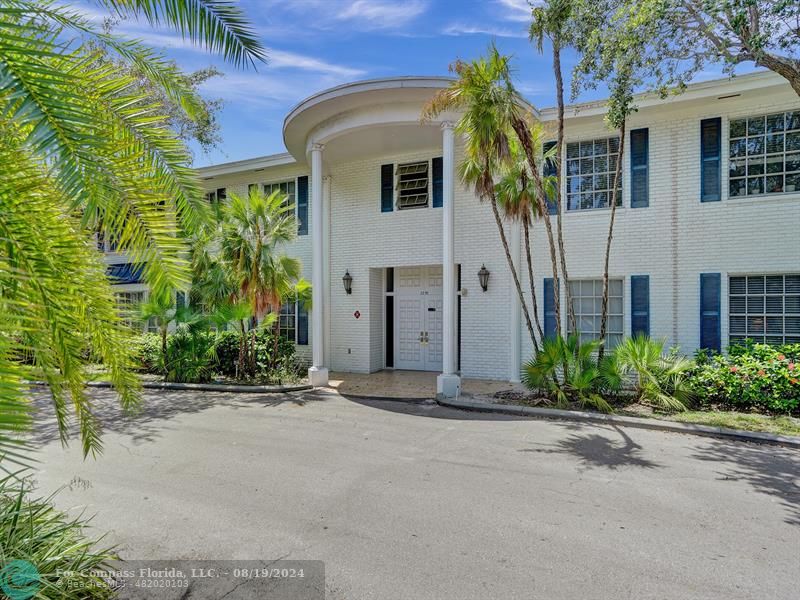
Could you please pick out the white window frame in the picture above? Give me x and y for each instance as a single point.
(747, 159)
(397, 188)
(292, 200)
(581, 303)
(757, 305)
(608, 173)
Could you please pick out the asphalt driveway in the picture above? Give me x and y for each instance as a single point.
(415, 501)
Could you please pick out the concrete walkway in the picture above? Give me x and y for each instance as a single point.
(408, 384)
(414, 501)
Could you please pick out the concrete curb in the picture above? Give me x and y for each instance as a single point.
(654, 424)
(206, 387)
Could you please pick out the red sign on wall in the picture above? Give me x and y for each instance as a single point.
(357, 314)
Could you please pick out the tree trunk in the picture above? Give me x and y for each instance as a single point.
(513, 269)
(164, 347)
(524, 136)
(526, 228)
(276, 335)
(559, 178)
(604, 307)
(242, 347)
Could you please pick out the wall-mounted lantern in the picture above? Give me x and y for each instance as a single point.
(483, 277)
(347, 280)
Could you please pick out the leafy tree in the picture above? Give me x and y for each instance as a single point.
(617, 58)
(486, 97)
(81, 149)
(203, 125)
(684, 36)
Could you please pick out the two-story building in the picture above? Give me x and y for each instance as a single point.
(706, 247)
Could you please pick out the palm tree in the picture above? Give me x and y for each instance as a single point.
(160, 306)
(82, 150)
(516, 195)
(551, 21)
(488, 104)
(254, 228)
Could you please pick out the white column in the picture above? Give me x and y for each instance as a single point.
(317, 374)
(516, 309)
(448, 384)
(326, 273)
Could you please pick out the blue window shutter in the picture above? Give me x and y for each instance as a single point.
(387, 188)
(549, 170)
(550, 327)
(640, 160)
(438, 181)
(710, 160)
(302, 325)
(302, 205)
(710, 301)
(640, 304)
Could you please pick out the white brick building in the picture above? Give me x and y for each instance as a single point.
(684, 240)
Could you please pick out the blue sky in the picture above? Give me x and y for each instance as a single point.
(316, 44)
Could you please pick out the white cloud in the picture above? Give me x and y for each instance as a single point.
(463, 29)
(333, 15)
(518, 10)
(280, 59)
(382, 14)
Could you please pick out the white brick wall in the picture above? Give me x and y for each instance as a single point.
(672, 240)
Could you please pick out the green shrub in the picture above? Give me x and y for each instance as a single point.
(763, 351)
(147, 354)
(753, 377)
(191, 356)
(660, 378)
(65, 561)
(567, 371)
(269, 366)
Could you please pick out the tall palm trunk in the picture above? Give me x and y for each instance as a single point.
(524, 136)
(513, 269)
(240, 366)
(526, 226)
(604, 308)
(559, 178)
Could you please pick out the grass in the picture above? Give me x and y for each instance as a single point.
(781, 425)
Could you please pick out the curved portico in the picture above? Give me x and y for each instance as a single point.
(348, 128)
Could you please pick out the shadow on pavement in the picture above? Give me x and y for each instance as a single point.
(769, 470)
(597, 450)
(427, 408)
(156, 410)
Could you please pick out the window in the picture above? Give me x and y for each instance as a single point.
(412, 185)
(587, 300)
(293, 323)
(128, 305)
(591, 167)
(764, 154)
(284, 187)
(217, 195)
(764, 308)
(287, 321)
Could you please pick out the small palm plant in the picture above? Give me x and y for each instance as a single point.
(161, 307)
(660, 378)
(567, 371)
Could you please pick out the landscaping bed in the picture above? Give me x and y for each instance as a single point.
(730, 419)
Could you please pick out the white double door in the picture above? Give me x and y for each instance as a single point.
(418, 318)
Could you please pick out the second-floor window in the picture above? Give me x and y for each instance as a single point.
(764, 154)
(412, 185)
(591, 166)
(284, 187)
